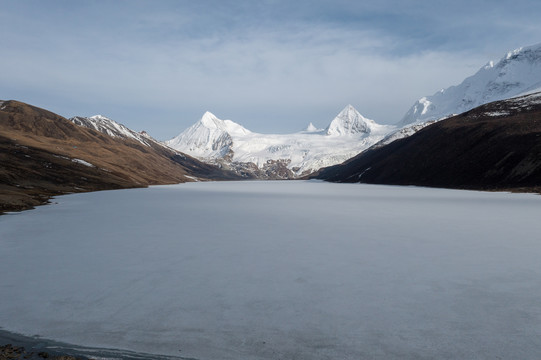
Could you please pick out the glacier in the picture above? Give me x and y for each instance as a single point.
(279, 270)
(212, 139)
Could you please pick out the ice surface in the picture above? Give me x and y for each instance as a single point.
(279, 270)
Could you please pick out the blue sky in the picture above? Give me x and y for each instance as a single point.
(273, 66)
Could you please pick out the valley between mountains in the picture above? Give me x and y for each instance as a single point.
(484, 133)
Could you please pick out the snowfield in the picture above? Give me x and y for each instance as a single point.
(279, 270)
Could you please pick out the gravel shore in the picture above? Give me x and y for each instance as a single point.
(15, 346)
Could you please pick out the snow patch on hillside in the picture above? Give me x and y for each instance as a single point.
(82, 162)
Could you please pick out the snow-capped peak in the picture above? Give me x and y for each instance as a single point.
(211, 121)
(112, 128)
(101, 118)
(209, 137)
(517, 73)
(311, 128)
(348, 122)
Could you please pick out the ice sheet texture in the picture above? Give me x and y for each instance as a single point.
(279, 270)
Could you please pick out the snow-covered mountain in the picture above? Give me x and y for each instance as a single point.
(228, 143)
(517, 73)
(350, 122)
(112, 128)
(210, 137)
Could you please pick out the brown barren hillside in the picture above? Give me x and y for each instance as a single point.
(43, 154)
(496, 146)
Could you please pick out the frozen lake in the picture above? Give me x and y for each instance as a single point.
(279, 270)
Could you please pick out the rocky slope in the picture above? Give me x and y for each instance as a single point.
(43, 154)
(279, 156)
(496, 146)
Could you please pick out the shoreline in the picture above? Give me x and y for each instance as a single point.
(16, 204)
(36, 347)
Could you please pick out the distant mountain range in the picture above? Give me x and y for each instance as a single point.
(279, 156)
(494, 144)
(231, 146)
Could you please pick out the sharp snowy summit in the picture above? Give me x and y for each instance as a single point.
(227, 143)
(517, 73)
(350, 122)
(210, 137)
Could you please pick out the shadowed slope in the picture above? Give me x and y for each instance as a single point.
(496, 146)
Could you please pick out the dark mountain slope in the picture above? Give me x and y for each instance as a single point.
(44, 154)
(496, 146)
